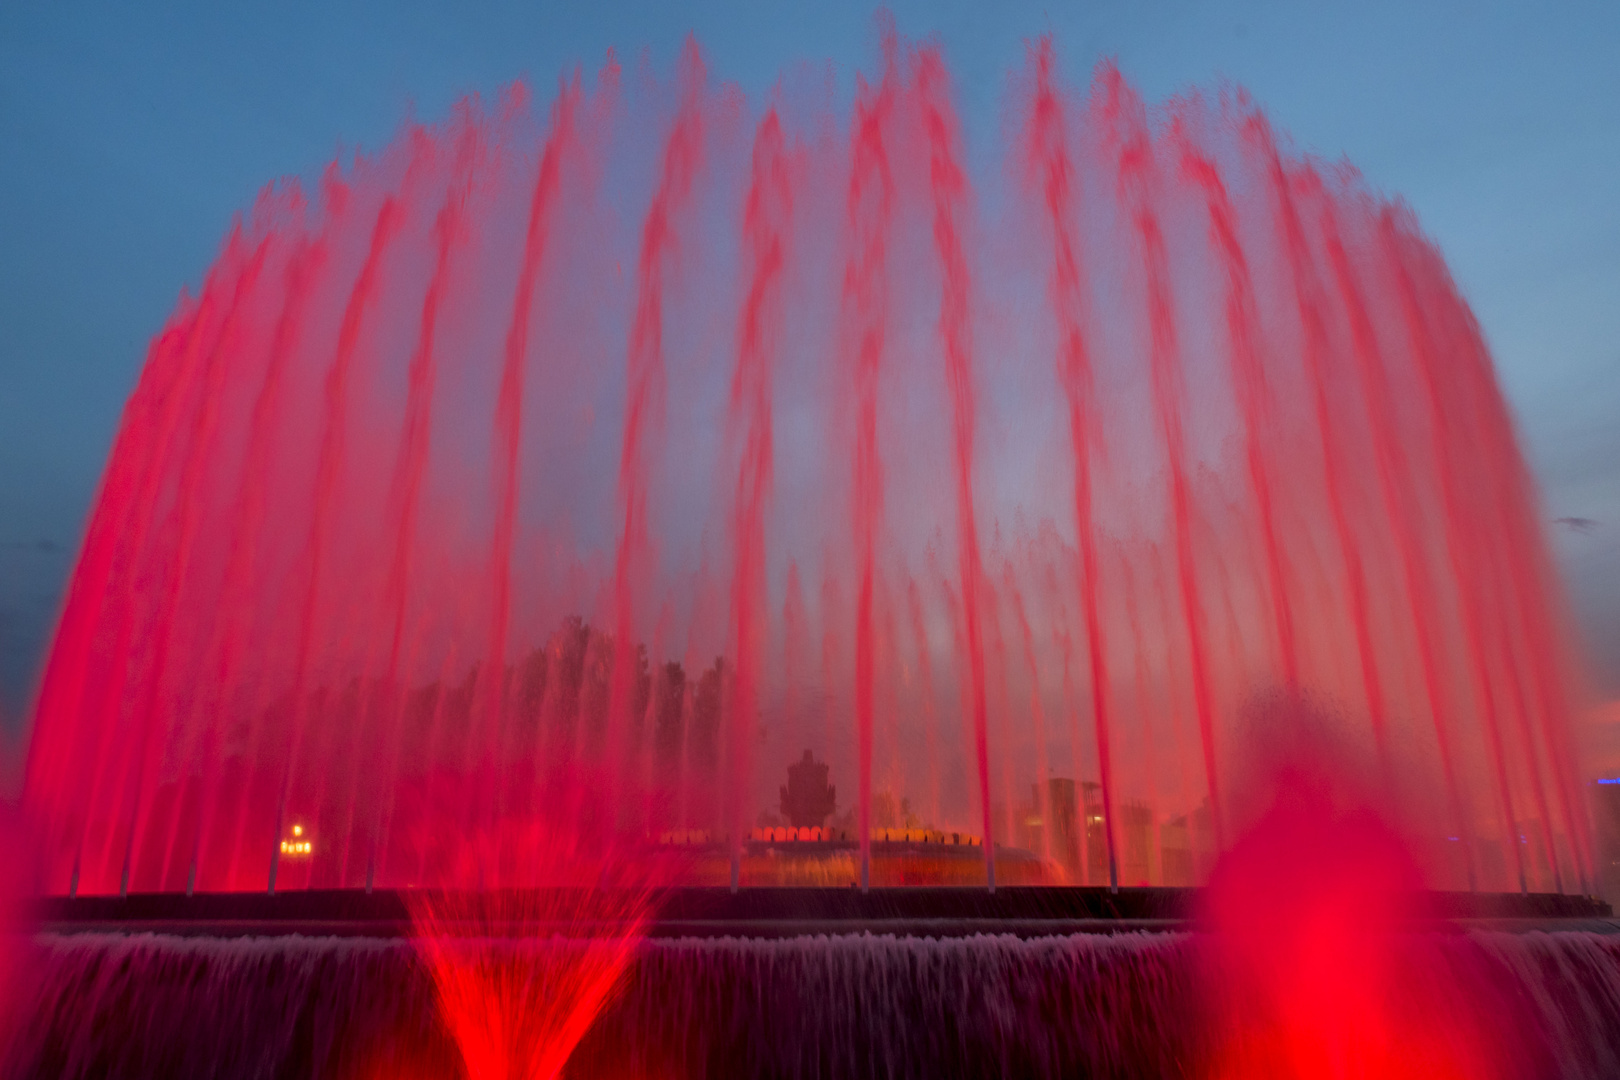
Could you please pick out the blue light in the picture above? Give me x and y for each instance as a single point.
(1616, 780)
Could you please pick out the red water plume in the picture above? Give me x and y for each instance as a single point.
(1052, 176)
(870, 202)
(948, 185)
(520, 975)
(767, 230)
(1312, 937)
(561, 144)
(595, 461)
(16, 948)
(681, 161)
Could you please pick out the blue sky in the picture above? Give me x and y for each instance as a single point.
(131, 136)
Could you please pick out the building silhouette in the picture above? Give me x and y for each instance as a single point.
(807, 799)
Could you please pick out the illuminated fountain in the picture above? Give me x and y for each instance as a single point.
(541, 485)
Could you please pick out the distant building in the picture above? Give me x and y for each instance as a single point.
(1606, 816)
(1064, 807)
(807, 799)
(1058, 818)
(1147, 851)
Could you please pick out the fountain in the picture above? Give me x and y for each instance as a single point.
(509, 508)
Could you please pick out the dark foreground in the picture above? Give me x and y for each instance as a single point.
(768, 912)
(239, 987)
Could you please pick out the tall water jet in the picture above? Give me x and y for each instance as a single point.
(333, 422)
(187, 348)
(226, 349)
(228, 649)
(948, 185)
(562, 143)
(410, 455)
(767, 221)
(644, 376)
(870, 206)
(1053, 174)
(1315, 347)
(1394, 491)
(1252, 388)
(1125, 125)
(1429, 363)
(359, 595)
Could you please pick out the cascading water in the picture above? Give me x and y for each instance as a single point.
(1119, 1006)
(570, 471)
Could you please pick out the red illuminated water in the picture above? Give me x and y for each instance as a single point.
(1313, 970)
(520, 976)
(576, 465)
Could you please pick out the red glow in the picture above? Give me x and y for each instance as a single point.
(1310, 975)
(594, 462)
(522, 974)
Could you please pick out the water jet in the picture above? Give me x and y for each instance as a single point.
(507, 510)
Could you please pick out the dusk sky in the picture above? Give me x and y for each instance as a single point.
(131, 138)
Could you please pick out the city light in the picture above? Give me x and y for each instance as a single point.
(296, 846)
